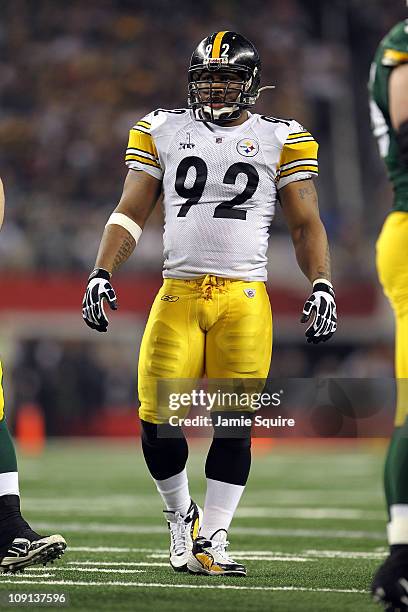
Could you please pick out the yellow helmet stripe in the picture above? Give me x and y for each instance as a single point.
(216, 50)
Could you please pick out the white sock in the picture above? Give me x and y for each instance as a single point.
(221, 501)
(397, 528)
(9, 483)
(174, 492)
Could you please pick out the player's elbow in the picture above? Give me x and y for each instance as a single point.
(309, 229)
(402, 140)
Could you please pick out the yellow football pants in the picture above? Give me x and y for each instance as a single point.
(392, 266)
(209, 326)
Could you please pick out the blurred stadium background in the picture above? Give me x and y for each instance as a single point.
(74, 77)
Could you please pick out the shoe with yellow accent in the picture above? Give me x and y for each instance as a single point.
(183, 532)
(210, 557)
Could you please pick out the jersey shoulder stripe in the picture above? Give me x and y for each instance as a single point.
(299, 135)
(141, 152)
(298, 162)
(392, 57)
(393, 49)
(135, 151)
(302, 168)
(275, 120)
(141, 128)
(298, 159)
(141, 159)
(300, 139)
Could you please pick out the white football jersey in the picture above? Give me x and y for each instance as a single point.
(220, 187)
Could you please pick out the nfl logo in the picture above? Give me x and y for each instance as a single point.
(218, 140)
(250, 292)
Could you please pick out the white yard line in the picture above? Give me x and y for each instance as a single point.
(114, 549)
(120, 563)
(182, 586)
(95, 569)
(162, 553)
(343, 554)
(248, 557)
(266, 557)
(127, 506)
(252, 531)
(31, 575)
(311, 513)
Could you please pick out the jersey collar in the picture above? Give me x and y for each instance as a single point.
(228, 133)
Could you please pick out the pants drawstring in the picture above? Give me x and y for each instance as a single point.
(208, 285)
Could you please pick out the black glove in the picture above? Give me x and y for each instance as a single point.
(321, 304)
(97, 290)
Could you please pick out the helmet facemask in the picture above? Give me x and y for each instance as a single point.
(220, 100)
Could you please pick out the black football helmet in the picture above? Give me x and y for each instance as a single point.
(232, 54)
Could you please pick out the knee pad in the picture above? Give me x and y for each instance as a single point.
(236, 433)
(229, 457)
(164, 448)
(232, 444)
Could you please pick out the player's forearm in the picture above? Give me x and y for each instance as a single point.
(115, 248)
(312, 250)
(127, 221)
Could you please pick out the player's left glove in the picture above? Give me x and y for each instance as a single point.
(321, 306)
(97, 290)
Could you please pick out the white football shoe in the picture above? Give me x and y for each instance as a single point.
(210, 557)
(22, 552)
(183, 532)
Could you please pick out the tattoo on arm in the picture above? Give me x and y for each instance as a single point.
(306, 192)
(324, 271)
(125, 249)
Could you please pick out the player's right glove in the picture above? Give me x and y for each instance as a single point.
(321, 306)
(97, 290)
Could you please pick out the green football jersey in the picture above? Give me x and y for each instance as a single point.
(392, 51)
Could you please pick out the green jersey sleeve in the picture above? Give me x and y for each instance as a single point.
(391, 52)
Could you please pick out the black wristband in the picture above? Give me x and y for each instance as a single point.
(99, 273)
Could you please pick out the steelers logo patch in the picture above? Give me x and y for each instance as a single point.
(248, 147)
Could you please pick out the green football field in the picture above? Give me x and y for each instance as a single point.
(310, 529)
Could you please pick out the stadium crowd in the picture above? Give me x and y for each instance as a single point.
(74, 77)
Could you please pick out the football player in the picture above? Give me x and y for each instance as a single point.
(20, 546)
(221, 170)
(389, 113)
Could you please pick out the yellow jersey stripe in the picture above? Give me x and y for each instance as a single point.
(138, 139)
(216, 50)
(293, 151)
(395, 57)
(312, 169)
(304, 161)
(134, 129)
(297, 134)
(141, 159)
(144, 124)
(140, 151)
